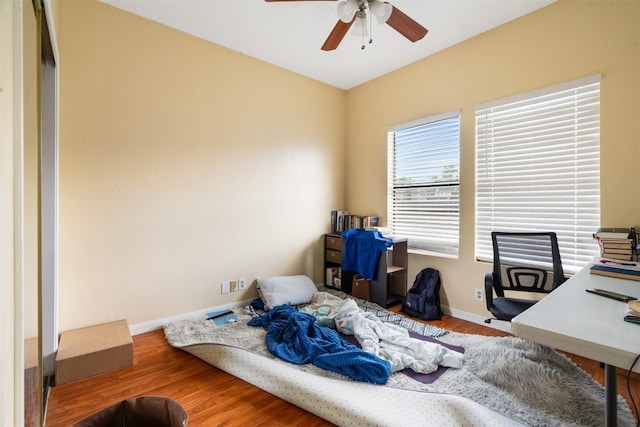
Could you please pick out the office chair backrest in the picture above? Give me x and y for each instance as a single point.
(526, 261)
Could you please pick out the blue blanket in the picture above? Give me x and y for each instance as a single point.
(295, 337)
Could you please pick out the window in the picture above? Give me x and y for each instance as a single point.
(424, 183)
(538, 168)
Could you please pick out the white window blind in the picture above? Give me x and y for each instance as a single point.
(424, 183)
(538, 168)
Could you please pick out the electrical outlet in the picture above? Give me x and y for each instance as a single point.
(479, 294)
(242, 283)
(234, 285)
(225, 287)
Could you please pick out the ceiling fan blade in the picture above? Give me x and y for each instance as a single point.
(406, 26)
(337, 34)
(268, 1)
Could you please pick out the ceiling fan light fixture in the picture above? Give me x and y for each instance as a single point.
(357, 14)
(381, 10)
(359, 28)
(347, 9)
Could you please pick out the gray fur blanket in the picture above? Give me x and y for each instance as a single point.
(524, 381)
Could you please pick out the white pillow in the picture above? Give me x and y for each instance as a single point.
(292, 290)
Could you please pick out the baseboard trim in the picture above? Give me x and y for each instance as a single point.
(500, 325)
(152, 325)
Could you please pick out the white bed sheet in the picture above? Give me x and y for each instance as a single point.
(504, 381)
(348, 403)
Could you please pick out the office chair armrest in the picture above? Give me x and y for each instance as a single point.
(488, 289)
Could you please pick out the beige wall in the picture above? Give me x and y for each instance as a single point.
(564, 41)
(11, 338)
(184, 164)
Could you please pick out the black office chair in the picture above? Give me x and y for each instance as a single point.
(528, 262)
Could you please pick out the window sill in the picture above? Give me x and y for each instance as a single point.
(425, 252)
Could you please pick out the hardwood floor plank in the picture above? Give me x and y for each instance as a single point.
(214, 398)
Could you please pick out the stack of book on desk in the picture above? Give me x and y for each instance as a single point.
(633, 312)
(616, 268)
(616, 243)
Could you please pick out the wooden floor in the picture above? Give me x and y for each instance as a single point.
(211, 396)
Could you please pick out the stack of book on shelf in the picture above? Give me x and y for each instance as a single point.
(616, 268)
(333, 277)
(341, 221)
(616, 243)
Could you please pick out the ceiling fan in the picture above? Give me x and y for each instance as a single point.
(357, 12)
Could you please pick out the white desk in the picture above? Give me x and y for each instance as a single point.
(573, 320)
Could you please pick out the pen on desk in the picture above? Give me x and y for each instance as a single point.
(606, 261)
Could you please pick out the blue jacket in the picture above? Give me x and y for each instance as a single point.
(295, 337)
(362, 250)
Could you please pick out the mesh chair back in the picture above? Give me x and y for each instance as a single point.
(527, 261)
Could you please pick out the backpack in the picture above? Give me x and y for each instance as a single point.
(423, 299)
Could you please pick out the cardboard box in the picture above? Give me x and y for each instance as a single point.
(31, 382)
(93, 350)
(361, 288)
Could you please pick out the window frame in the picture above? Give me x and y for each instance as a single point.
(448, 213)
(581, 190)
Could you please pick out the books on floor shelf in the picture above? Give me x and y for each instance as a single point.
(341, 221)
(332, 277)
(337, 221)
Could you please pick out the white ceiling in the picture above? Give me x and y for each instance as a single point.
(289, 34)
